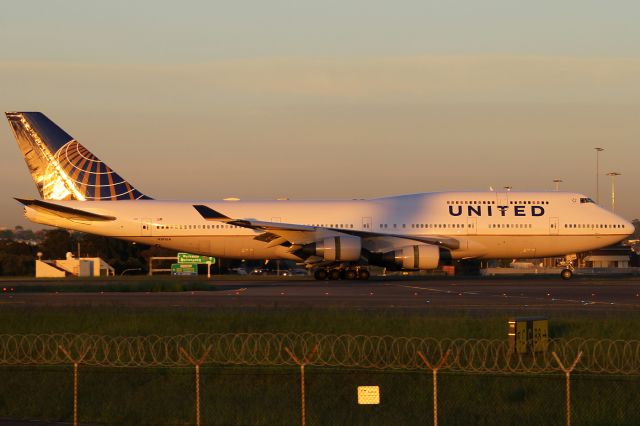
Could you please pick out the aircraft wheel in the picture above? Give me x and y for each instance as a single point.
(350, 274)
(334, 274)
(566, 274)
(363, 274)
(320, 274)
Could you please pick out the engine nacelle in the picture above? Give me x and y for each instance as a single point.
(336, 249)
(419, 256)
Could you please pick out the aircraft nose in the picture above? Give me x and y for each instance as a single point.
(629, 227)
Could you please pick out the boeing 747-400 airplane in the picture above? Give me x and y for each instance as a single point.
(335, 238)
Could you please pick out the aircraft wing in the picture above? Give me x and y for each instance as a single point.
(276, 233)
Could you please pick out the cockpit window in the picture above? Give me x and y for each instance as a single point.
(586, 200)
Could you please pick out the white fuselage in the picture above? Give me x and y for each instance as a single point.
(486, 225)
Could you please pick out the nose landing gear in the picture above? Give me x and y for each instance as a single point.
(566, 274)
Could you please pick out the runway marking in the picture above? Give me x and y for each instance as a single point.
(236, 292)
(436, 290)
(475, 293)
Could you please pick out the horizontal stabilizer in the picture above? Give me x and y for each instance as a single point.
(64, 212)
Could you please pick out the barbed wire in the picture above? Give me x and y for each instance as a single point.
(347, 351)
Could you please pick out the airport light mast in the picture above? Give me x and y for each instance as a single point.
(613, 175)
(598, 150)
(557, 182)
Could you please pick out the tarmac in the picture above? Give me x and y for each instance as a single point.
(11, 422)
(467, 294)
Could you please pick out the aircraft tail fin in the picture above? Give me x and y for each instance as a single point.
(63, 169)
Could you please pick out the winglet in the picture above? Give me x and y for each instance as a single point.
(210, 214)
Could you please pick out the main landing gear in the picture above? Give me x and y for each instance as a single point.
(341, 274)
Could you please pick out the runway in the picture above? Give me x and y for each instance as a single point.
(482, 294)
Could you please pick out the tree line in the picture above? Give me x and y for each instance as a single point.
(17, 255)
(19, 249)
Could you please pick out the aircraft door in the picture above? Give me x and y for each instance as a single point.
(553, 226)
(146, 226)
(472, 226)
(366, 223)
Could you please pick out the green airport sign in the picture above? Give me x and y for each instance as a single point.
(195, 258)
(184, 269)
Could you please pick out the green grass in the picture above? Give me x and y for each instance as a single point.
(271, 396)
(250, 395)
(170, 321)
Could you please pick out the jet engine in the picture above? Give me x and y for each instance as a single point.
(420, 256)
(334, 249)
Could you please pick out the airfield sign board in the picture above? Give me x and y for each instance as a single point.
(184, 269)
(195, 258)
(368, 395)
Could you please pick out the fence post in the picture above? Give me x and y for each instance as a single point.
(302, 363)
(197, 363)
(567, 375)
(434, 370)
(75, 362)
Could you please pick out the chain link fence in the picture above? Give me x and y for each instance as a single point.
(285, 378)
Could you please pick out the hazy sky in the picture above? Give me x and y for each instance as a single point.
(330, 99)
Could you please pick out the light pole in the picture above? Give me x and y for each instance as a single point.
(613, 189)
(598, 150)
(557, 182)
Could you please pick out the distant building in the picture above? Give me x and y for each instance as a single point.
(617, 256)
(612, 259)
(71, 266)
